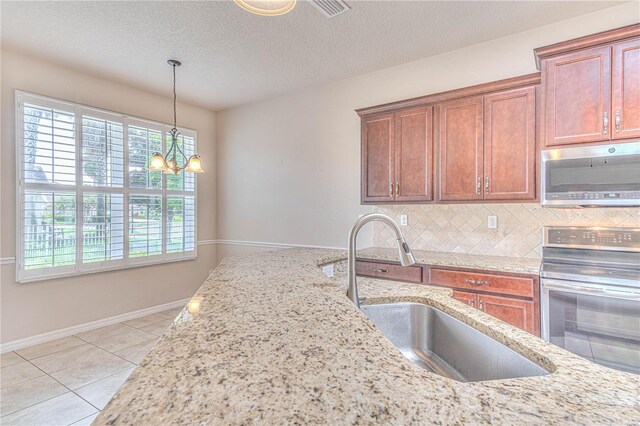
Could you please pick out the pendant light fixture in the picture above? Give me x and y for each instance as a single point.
(175, 160)
(267, 7)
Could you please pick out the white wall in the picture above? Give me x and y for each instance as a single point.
(31, 309)
(289, 168)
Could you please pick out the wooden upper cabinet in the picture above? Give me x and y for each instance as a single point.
(413, 155)
(578, 97)
(510, 145)
(626, 89)
(460, 149)
(378, 133)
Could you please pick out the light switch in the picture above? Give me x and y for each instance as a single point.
(403, 220)
(492, 222)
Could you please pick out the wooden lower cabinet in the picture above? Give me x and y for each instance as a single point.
(512, 298)
(466, 297)
(519, 313)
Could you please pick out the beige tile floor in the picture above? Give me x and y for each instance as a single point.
(69, 380)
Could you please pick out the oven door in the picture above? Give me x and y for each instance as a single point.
(605, 175)
(598, 322)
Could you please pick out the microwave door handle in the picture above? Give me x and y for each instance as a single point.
(591, 290)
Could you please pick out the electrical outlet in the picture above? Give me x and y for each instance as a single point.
(328, 270)
(404, 220)
(492, 222)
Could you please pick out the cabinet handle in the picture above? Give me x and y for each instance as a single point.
(617, 121)
(486, 184)
(475, 282)
(478, 185)
(397, 188)
(381, 271)
(606, 123)
(472, 303)
(390, 189)
(482, 305)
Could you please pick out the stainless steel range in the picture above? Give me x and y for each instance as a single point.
(590, 293)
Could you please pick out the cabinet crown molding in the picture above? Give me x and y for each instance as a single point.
(567, 46)
(479, 89)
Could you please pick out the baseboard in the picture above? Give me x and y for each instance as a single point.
(70, 331)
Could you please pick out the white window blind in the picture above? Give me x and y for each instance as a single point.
(86, 199)
(145, 225)
(102, 153)
(49, 145)
(102, 227)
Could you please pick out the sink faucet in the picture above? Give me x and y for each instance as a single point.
(404, 252)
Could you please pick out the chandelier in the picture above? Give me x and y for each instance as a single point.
(175, 160)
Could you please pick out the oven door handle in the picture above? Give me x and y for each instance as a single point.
(591, 290)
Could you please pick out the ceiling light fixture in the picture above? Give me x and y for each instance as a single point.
(267, 7)
(169, 163)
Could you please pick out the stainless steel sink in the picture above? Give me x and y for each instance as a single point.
(444, 345)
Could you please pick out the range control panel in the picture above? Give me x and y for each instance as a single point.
(621, 239)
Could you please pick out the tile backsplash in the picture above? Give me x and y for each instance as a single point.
(462, 228)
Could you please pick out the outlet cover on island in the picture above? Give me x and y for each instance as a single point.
(403, 220)
(492, 222)
(328, 270)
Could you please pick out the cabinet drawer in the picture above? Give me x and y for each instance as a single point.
(389, 271)
(515, 286)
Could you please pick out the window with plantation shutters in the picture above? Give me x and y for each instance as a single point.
(87, 201)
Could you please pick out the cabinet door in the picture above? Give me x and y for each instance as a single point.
(626, 89)
(578, 97)
(378, 134)
(510, 145)
(519, 313)
(460, 150)
(414, 147)
(465, 297)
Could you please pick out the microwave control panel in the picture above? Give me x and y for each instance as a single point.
(625, 195)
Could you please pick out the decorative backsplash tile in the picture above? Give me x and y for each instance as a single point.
(462, 228)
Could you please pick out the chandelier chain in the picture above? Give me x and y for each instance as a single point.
(175, 121)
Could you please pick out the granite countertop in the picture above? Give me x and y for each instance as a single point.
(459, 260)
(274, 341)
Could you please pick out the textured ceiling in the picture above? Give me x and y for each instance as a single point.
(232, 57)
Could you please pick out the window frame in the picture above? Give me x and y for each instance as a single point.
(79, 189)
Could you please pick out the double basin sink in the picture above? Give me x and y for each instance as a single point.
(446, 346)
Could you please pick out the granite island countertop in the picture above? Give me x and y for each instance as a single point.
(274, 341)
(517, 265)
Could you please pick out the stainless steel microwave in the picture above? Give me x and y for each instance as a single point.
(603, 175)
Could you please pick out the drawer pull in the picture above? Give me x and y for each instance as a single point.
(475, 282)
(472, 303)
(482, 305)
(381, 271)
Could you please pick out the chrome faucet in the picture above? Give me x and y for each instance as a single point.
(404, 252)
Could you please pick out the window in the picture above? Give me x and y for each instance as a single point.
(86, 198)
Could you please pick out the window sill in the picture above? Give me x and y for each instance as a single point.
(24, 277)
